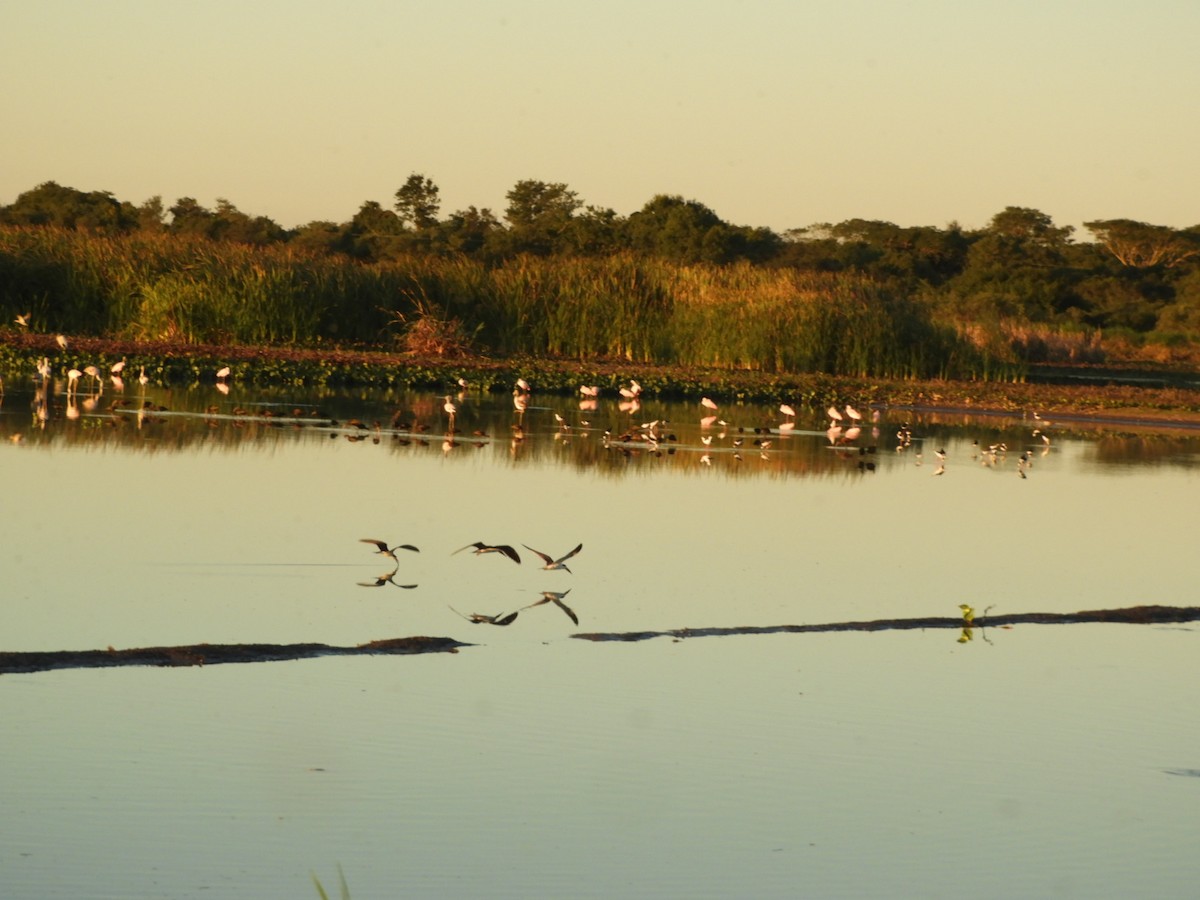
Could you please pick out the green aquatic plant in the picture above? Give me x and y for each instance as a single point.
(344, 888)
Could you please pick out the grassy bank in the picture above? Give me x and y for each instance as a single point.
(739, 317)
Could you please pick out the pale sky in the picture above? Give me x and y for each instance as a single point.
(777, 113)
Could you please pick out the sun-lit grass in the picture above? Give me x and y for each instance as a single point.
(622, 307)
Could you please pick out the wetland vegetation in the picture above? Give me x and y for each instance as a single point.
(564, 292)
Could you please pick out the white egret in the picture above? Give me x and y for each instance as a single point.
(787, 410)
(451, 410)
(834, 415)
(23, 320)
(708, 403)
(854, 414)
(222, 374)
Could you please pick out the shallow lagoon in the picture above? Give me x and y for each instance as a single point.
(1031, 761)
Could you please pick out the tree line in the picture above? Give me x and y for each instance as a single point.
(1135, 279)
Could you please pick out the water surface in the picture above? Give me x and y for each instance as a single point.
(1031, 761)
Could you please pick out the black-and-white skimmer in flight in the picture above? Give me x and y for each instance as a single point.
(556, 597)
(386, 550)
(481, 547)
(550, 562)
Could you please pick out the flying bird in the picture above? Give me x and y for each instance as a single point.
(386, 550)
(23, 320)
(481, 547)
(551, 563)
(498, 619)
(385, 579)
(555, 597)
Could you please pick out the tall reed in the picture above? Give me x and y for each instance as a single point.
(618, 307)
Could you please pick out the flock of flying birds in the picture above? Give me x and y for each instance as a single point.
(478, 548)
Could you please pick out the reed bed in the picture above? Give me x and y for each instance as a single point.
(621, 307)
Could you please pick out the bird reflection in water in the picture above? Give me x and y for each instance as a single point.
(556, 597)
(387, 578)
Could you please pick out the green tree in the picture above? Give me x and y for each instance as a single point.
(53, 204)
(673, 228)
(468, 230)
(417, 202)
(1139, 245)
(540, 204)
(150, 214)
(374, 233)
(189, 217)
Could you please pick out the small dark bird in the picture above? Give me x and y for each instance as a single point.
(386, 579)
(386, 550)
(498, 619)
(555, 597)
(481, 547)
(554, 563)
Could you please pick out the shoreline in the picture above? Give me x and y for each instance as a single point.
(1084, 402)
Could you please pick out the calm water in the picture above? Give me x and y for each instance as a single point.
(1032, 761)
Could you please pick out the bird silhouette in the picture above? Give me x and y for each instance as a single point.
(386, 550)
(552, 563)
(388, 578)
(498, 619)
(556, 597)
(481, 547)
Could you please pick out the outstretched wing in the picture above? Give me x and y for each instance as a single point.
(509, 552)
(572, 553)
(383, 548)
(407, 547)
(548, 560)
(478, 545)
(570, 612)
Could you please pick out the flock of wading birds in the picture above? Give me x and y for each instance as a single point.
(845, 424)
